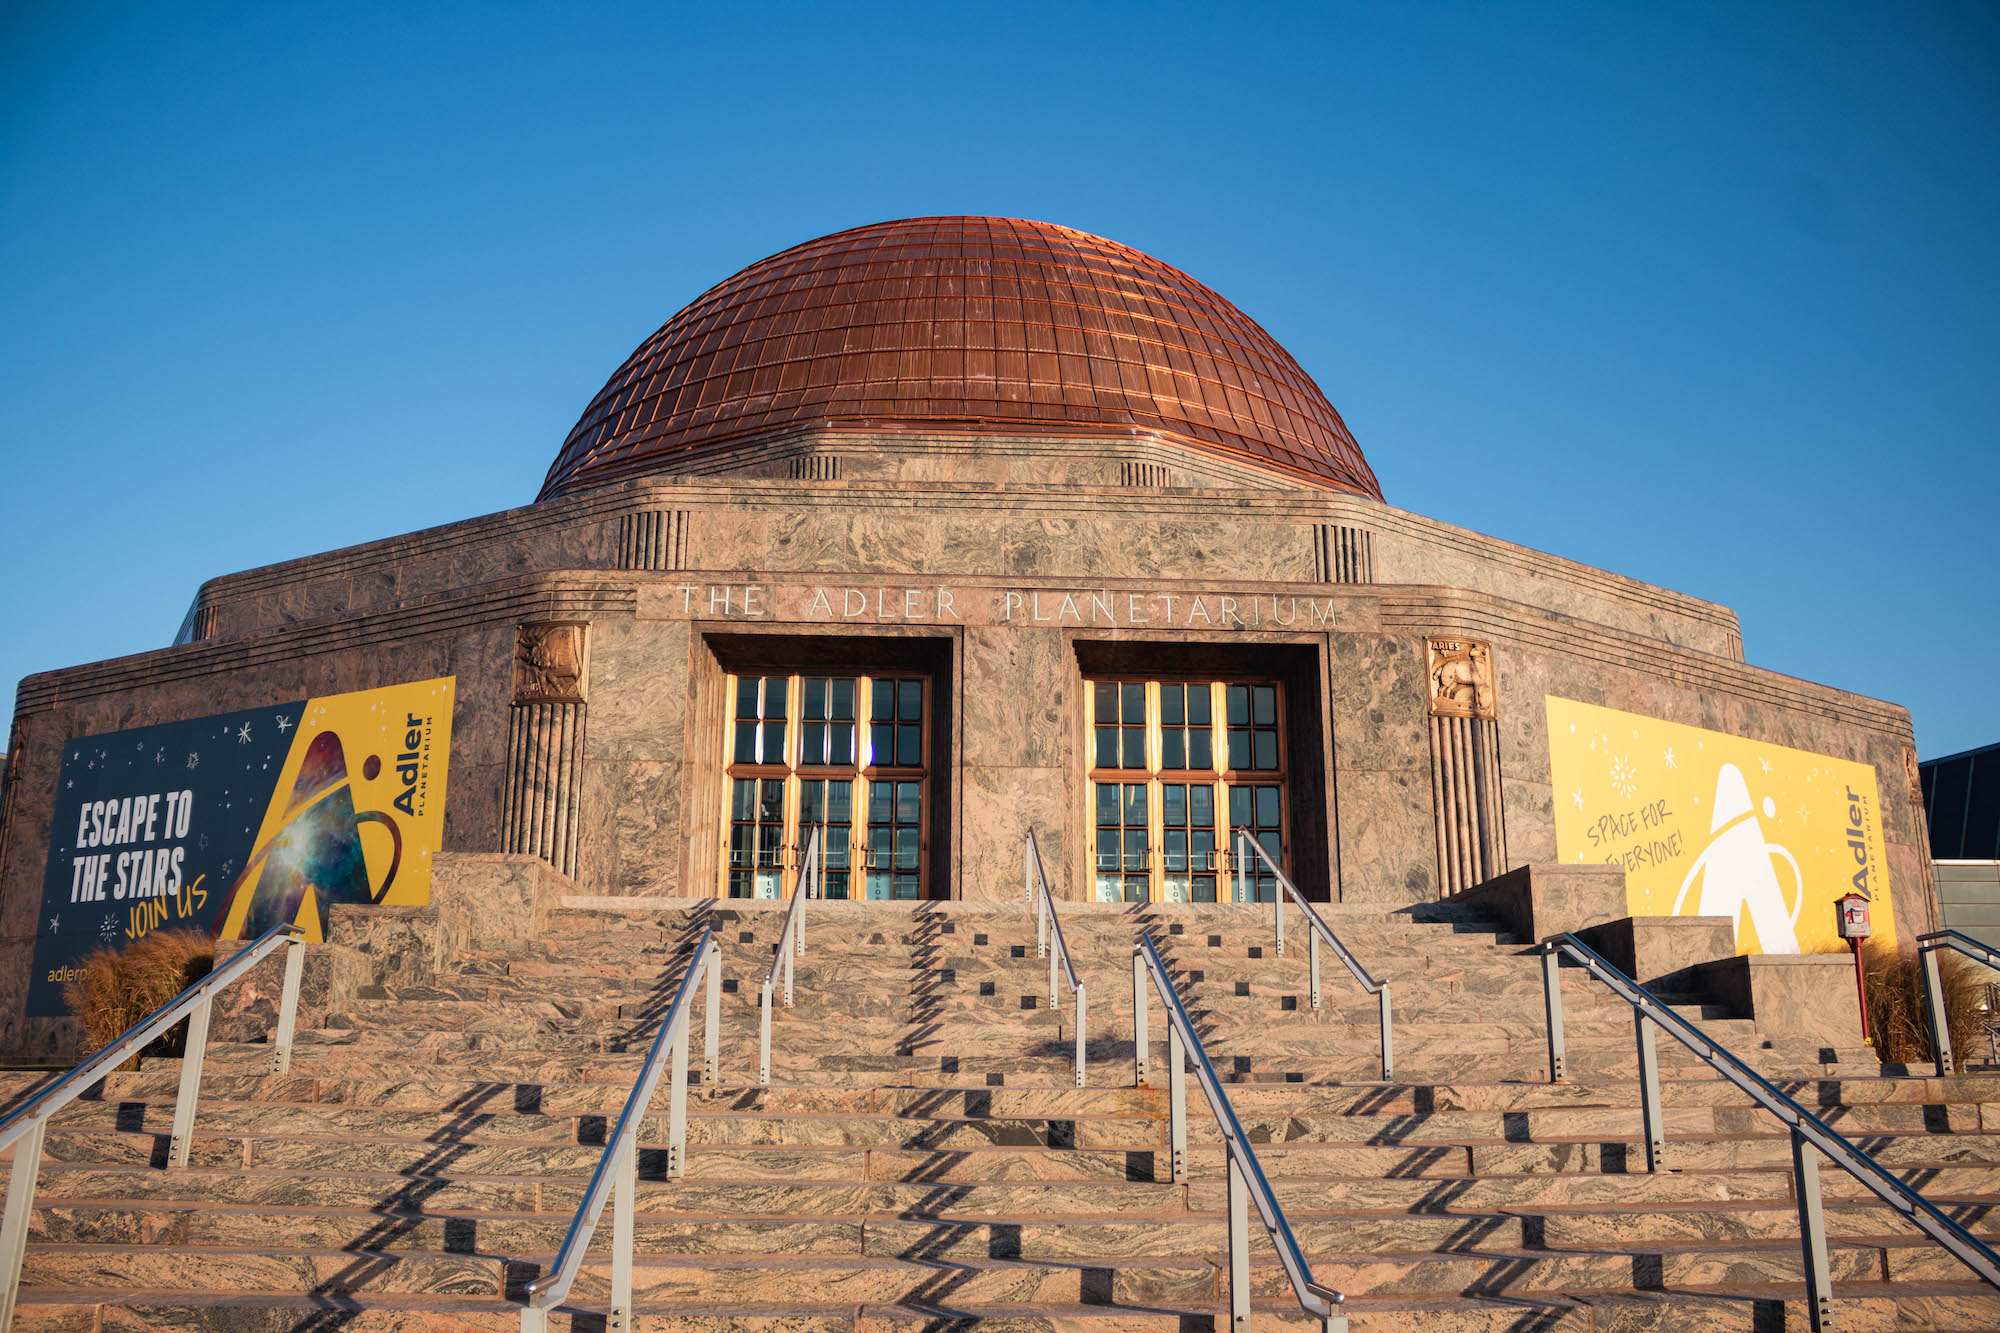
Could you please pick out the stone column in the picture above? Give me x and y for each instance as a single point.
(544, 778)
(1465, 765)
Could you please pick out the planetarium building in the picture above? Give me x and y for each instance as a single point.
(922, 537)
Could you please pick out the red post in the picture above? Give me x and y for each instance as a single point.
(1850, 917)
(1860, 987)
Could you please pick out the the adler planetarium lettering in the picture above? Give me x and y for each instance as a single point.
(1177, 610)
(1039, 606)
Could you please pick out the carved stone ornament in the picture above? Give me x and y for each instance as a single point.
(549, 663)
(1461, 678)
(1914, 776)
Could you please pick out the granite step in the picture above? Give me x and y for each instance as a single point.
(1864, 1308)
(82, 1268)
(1044, 1239)
(1136, 1280)
(449, 1190)
(159, 1079)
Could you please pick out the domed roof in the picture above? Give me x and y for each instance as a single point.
(962, 323)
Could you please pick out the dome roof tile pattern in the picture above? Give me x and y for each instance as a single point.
(962, 323)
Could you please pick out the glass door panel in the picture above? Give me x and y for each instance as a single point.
(1124, 855)
(895, 840)
(1260, 809)
(1187, 819)
(756, 838)
(827, 804)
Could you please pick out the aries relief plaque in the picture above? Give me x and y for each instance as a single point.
(549, 662)
(1461, 678)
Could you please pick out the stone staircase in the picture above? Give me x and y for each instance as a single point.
(920, 1160)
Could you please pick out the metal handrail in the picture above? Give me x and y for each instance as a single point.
(1247, 1182)
(1927, 950)
(1808, 1130)
(1321, 931)
(25, 1128)
(617, 1173)
(1035, 880)
(791, 945)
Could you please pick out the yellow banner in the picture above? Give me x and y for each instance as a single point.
(356, 811)
(1709, 824)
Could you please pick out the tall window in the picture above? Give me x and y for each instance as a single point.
(844, 755)
(1176, 766)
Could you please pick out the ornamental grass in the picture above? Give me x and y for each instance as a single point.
(112, 989)
(1896, 1009)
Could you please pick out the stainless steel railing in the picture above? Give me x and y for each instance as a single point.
(26, 1127)
(1247, 1183)
(1809, 1132)
(791, 945)
(1048, 930)
(1318, 930)
(1928, 947)
(617, 1176)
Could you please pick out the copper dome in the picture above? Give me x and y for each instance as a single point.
(962, 323)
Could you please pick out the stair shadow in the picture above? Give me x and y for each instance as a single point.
(468, 1114)
(639, 1033)
(928, 981)
(404, 1208)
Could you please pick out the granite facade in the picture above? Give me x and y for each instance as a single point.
(1007, 567)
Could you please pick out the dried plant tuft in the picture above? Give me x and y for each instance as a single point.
(115, 988)
(1896, 1017)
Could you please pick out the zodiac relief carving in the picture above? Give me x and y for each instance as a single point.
(549, 663)
(1461, 678)
(1913, 776)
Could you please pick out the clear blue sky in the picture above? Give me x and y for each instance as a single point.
(1703, 295)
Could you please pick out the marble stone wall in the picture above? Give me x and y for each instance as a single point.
(942, 504)
(1003, 589)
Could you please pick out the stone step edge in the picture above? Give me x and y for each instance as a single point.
(196, 1173)
(1528, 1304)
(1023, 1219)
(1969, 1137)
(1501, 1212)
(719, 1089)
(786, 1262)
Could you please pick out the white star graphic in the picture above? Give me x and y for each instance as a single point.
(1763, 763)
(243, 736)
(1670, 758)
(1577, 796)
